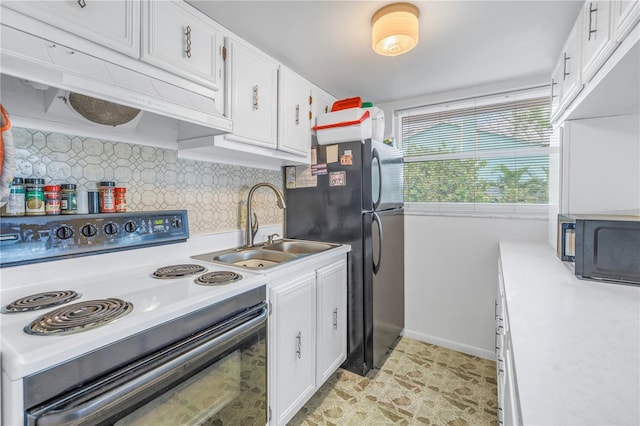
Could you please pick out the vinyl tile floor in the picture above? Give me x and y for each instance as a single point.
(419, 384)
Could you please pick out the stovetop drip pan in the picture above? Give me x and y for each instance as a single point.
(79, 317)
(38, 301)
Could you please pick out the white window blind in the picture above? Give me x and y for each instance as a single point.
(484, 154)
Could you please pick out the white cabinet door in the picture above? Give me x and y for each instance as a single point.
(556, 87)
(597, 43)
(321, 103)
(571, 64)
(294, 111)
(332, 319)
(626, 14)
(181, 40)
(251, 93)
(113, 24)
(294, 340)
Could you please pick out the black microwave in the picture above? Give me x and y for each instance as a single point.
(601, 247)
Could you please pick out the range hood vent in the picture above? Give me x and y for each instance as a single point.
(54, 88)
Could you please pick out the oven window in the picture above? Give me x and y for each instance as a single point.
(230, 391)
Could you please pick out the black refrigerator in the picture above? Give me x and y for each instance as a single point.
(353, 194)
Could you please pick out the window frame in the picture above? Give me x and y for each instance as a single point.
(497, 210)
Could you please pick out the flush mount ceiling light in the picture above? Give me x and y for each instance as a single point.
(395, 29)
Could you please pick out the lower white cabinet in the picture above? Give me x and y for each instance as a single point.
(508, 403)
(307, 335)
(294, 346)
(331, 290)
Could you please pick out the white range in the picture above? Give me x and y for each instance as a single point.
(154, 333)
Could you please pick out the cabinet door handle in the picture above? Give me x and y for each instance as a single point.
(591, 12)
(564, 71)
(553, 87)
(335, 319)
(82, 3)
(299, 344)
(188, 41)
(255, 97)
(297, 114)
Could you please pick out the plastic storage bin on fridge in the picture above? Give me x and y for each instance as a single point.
(343, 126)
(377, 123)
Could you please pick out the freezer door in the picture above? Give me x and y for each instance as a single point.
(387, 268)
(384, 170)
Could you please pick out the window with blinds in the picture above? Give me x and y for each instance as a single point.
(491, 150)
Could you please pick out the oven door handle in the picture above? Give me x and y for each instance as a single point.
(105, 405)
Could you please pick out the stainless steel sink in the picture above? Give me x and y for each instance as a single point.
(298, 247)
(254, 254)
(261, 257)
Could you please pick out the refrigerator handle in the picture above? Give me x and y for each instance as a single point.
(376, 156)
(376, 266)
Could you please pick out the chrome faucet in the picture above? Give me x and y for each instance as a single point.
(252, 227)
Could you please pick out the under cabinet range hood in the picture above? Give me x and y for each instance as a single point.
(54, 88)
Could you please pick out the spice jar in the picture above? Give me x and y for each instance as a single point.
(52, 199)
(34, 197)
(69, 199)
(15, 202)
(107, 197)
(121, 199)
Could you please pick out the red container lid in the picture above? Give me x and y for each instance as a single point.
(121, 189)
(52, 188)
(346, 104)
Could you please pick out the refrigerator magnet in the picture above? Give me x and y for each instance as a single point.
(346, 159)
(338, 178)
(319, 169)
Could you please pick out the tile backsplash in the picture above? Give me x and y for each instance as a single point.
(155, 178)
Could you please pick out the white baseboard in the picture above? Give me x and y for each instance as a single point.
(449, 344)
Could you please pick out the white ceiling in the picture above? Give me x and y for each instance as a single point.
(462, 43)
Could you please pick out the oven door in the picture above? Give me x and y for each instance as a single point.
(217, 376)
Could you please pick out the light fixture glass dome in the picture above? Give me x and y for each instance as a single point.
(395, 29)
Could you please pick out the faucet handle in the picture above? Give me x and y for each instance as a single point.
(271, 237)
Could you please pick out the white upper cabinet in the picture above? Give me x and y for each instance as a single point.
(556, 87)
(113, 24)
(321, 103)
(625, 14)
(597, 43)
(251, 95)
(571, 82)
(294, 126)
(182, 40)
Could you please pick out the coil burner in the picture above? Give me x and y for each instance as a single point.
(218, 278)
(178, 271)
(79, 317)
(37, 301)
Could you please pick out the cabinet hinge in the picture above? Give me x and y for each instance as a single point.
(269, 307)
(224, 53)
(269, 419)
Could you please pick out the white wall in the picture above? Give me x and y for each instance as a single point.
(601, 165)
(451, 276)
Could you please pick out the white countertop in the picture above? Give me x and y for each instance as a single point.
(576, 344)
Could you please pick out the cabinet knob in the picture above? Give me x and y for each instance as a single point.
(82, 3)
